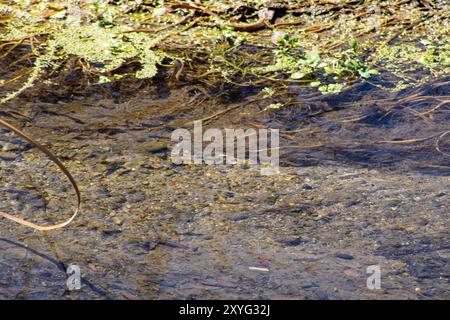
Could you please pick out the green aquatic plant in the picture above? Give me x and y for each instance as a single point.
(354, 64)
(102, 49)
(267, 92)
(330, 74)
(42, 63)
(106, 49)
(429, 57)
(312, 47)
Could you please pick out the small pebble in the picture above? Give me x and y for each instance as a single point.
(344, 256)
(117, 221)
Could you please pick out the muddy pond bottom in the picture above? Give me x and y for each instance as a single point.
(150, 229)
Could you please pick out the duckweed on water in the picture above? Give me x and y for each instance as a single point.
(328, 45)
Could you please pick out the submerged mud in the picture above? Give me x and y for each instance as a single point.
(150, 229)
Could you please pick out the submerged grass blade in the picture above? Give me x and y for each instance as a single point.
(61, 166)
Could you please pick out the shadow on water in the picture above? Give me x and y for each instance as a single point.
(366, 127)
(60, 267)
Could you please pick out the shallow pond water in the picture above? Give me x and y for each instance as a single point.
(344, 199)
